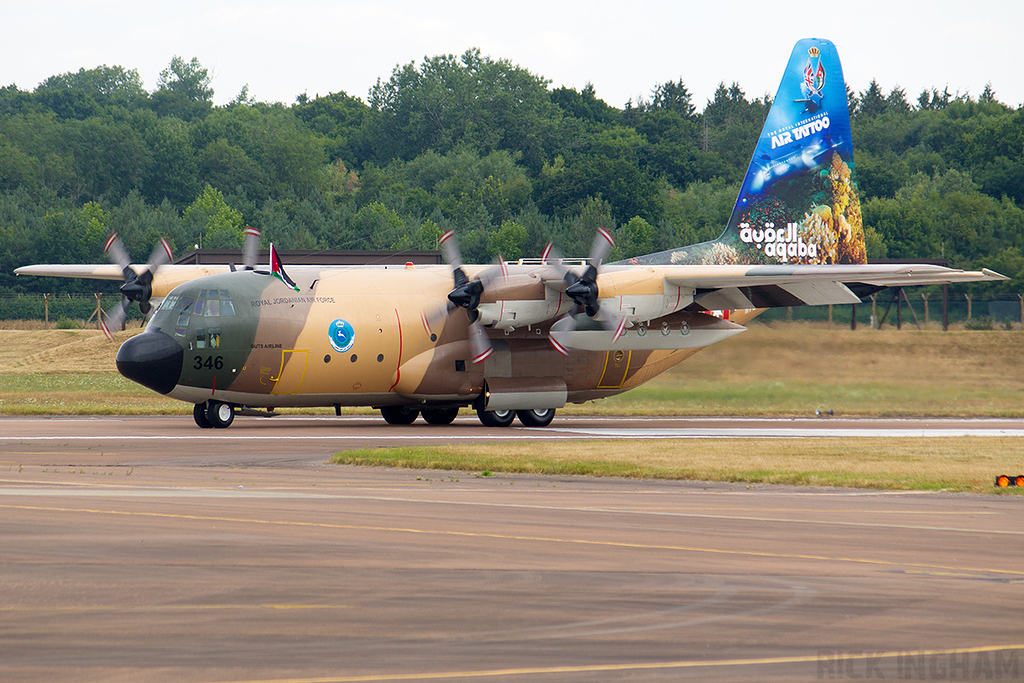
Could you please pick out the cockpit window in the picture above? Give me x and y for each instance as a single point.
(177, 303)
(211, 303)
(214, 303)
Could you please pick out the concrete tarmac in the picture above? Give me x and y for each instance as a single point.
(144, 549)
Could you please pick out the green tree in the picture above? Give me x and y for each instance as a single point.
(585, 105)
(636, 238)
(214, 224)
(872, 102)
(183, 90)
(509, 241)
(173, 169)
(82, 94)
(340, 119)
(474, 100)
(229, 169)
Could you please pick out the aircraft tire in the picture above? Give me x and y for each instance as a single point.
(220, 415)
(536, 418)
(199, 415)
(440, 416)
(496, 418)
(399, 415)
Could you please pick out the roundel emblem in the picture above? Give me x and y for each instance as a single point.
(342, 335)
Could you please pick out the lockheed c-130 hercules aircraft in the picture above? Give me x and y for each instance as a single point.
(531, 336)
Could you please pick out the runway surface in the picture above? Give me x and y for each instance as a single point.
(145, 549)
(301, 439)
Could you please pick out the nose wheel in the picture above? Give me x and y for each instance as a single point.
(213, 414)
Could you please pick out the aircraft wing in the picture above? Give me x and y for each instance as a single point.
(167, 277)
(88, 271)
(742, 287)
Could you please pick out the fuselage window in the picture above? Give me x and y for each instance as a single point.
(214, 337)
(201, 338)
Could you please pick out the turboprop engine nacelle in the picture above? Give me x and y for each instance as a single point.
(529, 299)
(523, 300)
(640, 296)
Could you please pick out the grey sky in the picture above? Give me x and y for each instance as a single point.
(282, 49)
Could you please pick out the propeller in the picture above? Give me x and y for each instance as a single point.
(466, 294)
(137, 287)
(583, 290)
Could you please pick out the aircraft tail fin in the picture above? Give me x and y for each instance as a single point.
(798, 203)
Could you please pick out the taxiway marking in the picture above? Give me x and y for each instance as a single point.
(636, 666)
(515, 537)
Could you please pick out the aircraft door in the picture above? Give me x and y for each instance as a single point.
(616, 365)
(293, 370)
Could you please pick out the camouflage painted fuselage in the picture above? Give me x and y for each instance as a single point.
(356, 336)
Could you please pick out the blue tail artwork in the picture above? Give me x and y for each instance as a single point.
(798, 203)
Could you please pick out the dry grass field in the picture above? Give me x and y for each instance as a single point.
(788, 369)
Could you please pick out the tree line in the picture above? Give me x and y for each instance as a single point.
(476, 144)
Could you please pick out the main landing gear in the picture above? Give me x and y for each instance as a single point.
(529, 418)
(405, 415)
(213, 414)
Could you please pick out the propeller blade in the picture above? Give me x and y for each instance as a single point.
(480, 342)
(433, 320)
(114, 249)
(566, 323)
(549, 248)
(620, 329)
(603, 245)
(113, 321)
(450, 247)
(161, 254)
(251, 248)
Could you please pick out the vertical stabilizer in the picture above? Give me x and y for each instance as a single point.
(798, 203)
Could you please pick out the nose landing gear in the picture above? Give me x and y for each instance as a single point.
(213, 414)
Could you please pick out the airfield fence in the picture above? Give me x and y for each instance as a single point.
(51, 308)
(913, 310)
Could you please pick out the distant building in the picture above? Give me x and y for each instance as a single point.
(304, 257)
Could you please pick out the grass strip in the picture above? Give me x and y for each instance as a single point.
(110, 393)
(967, 464)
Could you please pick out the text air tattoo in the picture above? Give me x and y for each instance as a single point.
(516, 339)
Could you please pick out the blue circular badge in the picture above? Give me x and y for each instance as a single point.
(342, 335)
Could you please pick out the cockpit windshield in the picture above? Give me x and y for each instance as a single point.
(211, 303)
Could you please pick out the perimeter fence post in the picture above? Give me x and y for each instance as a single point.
(945, 308)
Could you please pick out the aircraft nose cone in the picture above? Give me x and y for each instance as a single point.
(152, 359)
